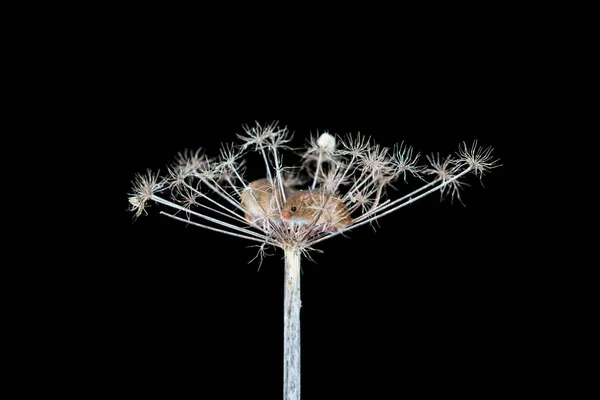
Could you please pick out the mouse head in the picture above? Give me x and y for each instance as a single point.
(296, 208)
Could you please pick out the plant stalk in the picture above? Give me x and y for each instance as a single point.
(291, 324)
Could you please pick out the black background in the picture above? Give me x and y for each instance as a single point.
(475, 301)
(436, 299)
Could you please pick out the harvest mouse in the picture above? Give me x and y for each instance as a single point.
(259, 202)
(302, 207)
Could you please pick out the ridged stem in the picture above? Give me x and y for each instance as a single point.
(291, 325)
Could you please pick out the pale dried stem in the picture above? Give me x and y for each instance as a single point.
(237, 216)
(346, 169)
(361, 179)
(212, 228)
(291, 324)
(279, 179)
(314, 184)
(168, 203)
(219, 191)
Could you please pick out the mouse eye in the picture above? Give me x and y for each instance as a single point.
(293, 208)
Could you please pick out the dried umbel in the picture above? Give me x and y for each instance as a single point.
(339, 185)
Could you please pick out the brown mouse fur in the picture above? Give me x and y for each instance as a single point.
(259, 202)
(304, 206)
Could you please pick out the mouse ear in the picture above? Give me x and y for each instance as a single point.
(306, 197)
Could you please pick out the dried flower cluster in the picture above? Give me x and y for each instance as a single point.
(339, 185)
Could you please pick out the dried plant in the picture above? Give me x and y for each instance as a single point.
(339, 185)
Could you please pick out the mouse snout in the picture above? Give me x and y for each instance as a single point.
(286, 214)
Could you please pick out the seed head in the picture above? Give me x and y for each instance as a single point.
(376, 161)
(404, 160)
(144, 187)
(480, 160)
(445, 169)
(258, 136)
(355, 146)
